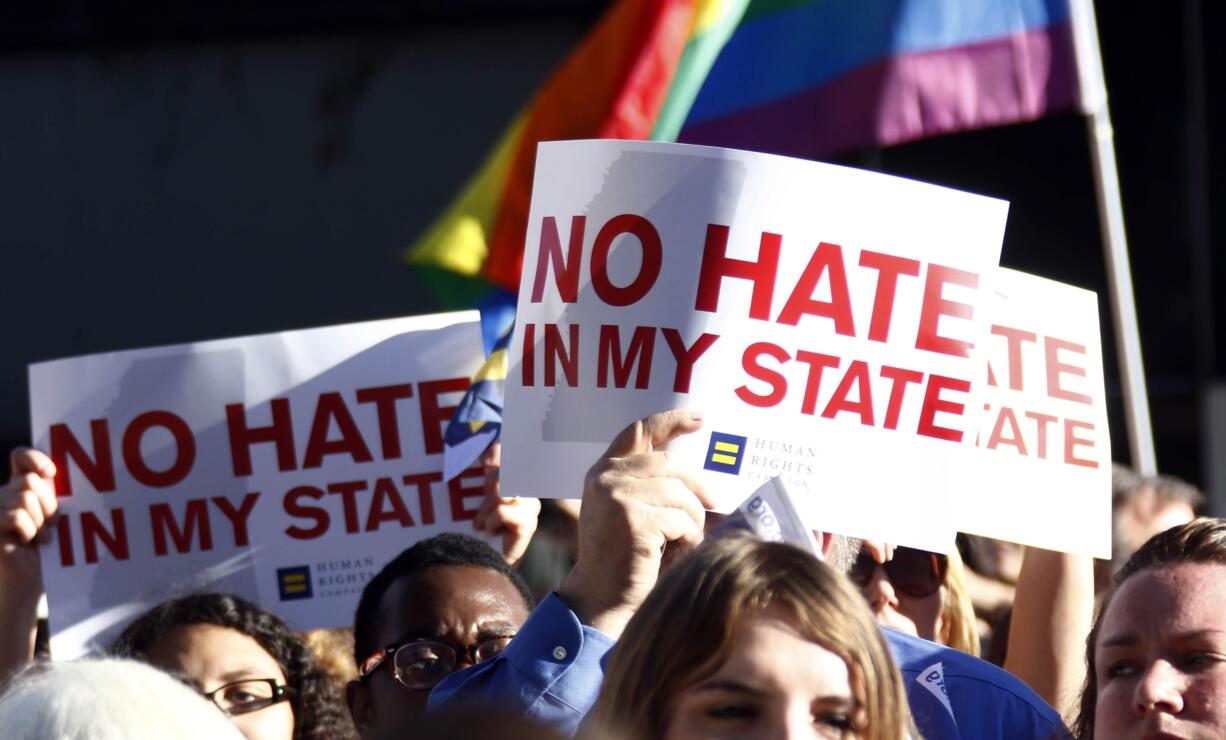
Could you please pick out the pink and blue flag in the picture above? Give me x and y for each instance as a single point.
(817, 78)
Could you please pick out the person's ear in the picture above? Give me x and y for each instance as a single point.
(357, 698)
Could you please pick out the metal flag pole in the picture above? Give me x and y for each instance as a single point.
(1115, 243)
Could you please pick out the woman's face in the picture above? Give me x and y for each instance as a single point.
(1160, 656)
(774, 684)
(211, 657)
(921, 616)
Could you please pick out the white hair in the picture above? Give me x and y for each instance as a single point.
(107, 699)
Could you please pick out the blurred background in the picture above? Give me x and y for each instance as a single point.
(193, 170)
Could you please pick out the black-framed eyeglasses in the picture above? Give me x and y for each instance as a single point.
(916, 573)
(247, 696)
(419, 664)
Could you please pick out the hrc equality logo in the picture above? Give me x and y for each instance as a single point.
(294, 583)
(725, 453)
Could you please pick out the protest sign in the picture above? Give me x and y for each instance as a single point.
(1040, 473)
(285, 468)
(823, 318)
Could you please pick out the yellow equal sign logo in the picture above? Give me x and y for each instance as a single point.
(294, 583)
(725, 453)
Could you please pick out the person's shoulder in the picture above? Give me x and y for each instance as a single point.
(966, 685)
(915, 654)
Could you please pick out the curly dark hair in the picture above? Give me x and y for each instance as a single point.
(318, 713)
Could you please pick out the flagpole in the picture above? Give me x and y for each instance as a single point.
(1115, 243)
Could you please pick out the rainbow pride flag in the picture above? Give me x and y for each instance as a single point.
(613, 86)
(806, 78)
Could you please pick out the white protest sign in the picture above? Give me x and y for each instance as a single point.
(1041, 472)
(285, 468)
(823, 319)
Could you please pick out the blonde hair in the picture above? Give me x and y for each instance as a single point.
(333, 649)
(957, 611)
(687, 626)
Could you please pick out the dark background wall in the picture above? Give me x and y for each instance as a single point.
(213, 169)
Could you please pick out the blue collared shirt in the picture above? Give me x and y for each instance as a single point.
(552, 670)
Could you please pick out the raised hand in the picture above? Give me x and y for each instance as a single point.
(514, 518)
(635, 501)
(27, 513)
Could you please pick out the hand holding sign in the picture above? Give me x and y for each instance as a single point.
(513, 518)
(281, 468)
(826, 319)
(634, 503)
(27, 503)
(882, 553)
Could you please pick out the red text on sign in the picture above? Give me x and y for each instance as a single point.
(368, 506)
(854, 393)
(618, 359)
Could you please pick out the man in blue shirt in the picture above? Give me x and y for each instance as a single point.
(638, 511)
(445, 603)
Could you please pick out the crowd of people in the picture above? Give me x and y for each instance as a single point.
(658, 631)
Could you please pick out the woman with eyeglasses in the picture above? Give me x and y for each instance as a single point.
(920, 593)
(243, 659)
(751, 639)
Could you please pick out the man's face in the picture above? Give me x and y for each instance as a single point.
(459, 606)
